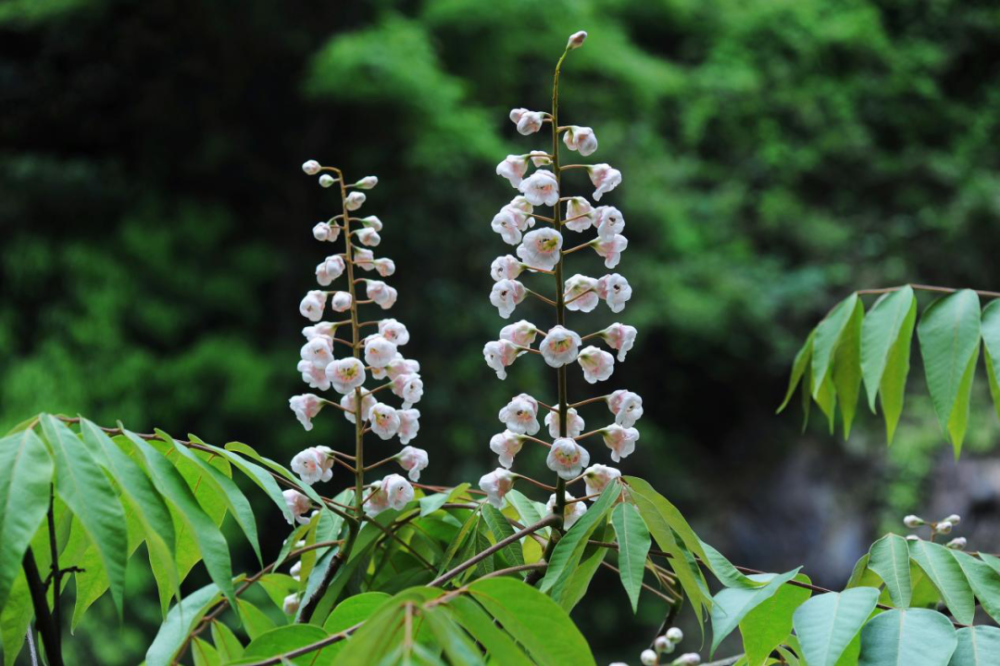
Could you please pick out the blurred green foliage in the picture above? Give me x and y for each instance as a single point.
(777, 154)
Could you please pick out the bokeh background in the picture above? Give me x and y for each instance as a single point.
(777, 154)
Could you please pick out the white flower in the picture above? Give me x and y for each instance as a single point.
(326, 180)
(378, 500)
(581, 293)
(298, 505)
(381, 293)
(313, 464)
(620, 337)
(615, 290)
(574, 423)
(520, 204)
(369, 237)
(520, 415)
(560, 346)
(291, 604)
(346, 374)
(571, 511)
(409, 426)
(384, 420)
(597, 364)
(580, 215)
(312, 305)
(626, 406)
(331, 269)
(394, 331)
(363, 258)
(296, 570)
(540, 248)
(341, 301)
(496, 485)
(611, 249)
(648, 658)
(540, 188)
(311, 167)
(582, 139)
(576, 40)
(306, 407)
(567, 458)
(413, 460)
(385, 267)
(398, 490)
(317, 351)
(500, 354)
(540, 158)
(506, 267)
(620, 440)
(324, 329)
(367, 183)
(372, 222)
(513, 169)
(401, 366)
(528, 122)
(508, 224)
(521, 333)
(506, 295)
(379, 351)
(324, 231)
(610, 222)
(605, 178)
(355, 200)
(350, 409)
(597, 478)
(409, 387)
(313, 375)
(506, 445)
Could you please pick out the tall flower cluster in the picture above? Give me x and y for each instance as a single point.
(342, 354)
(542, 242)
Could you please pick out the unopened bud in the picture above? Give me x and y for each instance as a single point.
(954, 519)
(913, 521)
(944, 527)
(912, 537)
(326, 180)
(576, 40)
(675, 635)
(648, 658)
(311, 167)
(689, 659)
(661, 644)
(958, 543)
(291, 604)
(367, 183)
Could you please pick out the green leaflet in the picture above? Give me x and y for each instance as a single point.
(534, 621)
(942, 568)
(88, 493)
(256, 473)
(499, 646)
(255, 621)
(732, 604)
(907, 638)
(180, 620)
(501, 529)
(949, 334)
(225, 641)
(984, 580)
(847, 367)
(768, 625)
(284, 639)
(724, 570)
(828, 623)
(458, 647)
(568, 551)
(669, 512)
(991, 343)
(828, 336)
(573, 588)
(15, 619)
(802, 361)
(977, 646)
(633, 546)
(892, 386)
(882, 329)
(25, 474)
(889, 557)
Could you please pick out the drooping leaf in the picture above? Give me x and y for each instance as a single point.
(768, 625)
(534, 620)
(256, 473)
(991, 342)
(570, 547)
(985, 582)
(525, 507)
(803, 359)
(977, 646)
(906, 638)
(204, 653)
(255, 621)
(15, 619)
(499, 646)
(467, 530)
(949, 332)
(942, 568)
(180, 620)
(724, 570)
(889, 557)
(847, 367)
(633, 546)
(883, 326)
(573, 588)
(25, 474)
(828, 337)
(828, 623)
(732, 604)
(226, 643)
(669, 512)
(457, 646)
(501, 529)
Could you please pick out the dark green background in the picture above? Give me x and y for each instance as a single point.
(776, 155)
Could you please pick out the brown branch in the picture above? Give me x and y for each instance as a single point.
(927, 287)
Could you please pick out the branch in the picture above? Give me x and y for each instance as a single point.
(927, 287)
(43, 619)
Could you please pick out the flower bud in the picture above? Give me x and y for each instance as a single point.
(354, 200)
(689, 659)
(912, 521)
(912, 537)
(291, 604)
(675, 635)
(661, 644)
(311, 167)
(367, 183)
(326, 180)
(958, 543)
(648, 658)
(954, 519)
(944, 527)
(576, 40)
